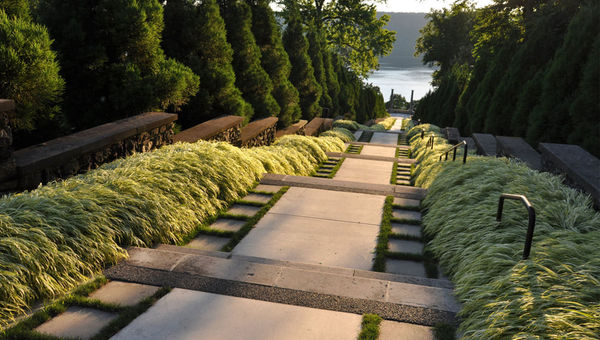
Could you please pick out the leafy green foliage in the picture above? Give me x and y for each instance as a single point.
(56, 236)
(111, 59)
(16, 8)
(316, 51)
(351, 28)
(275, 61)
(195, 35)
(251, 78)
(554, 292)
(302, 75)
(333, 85)
(370, 327)
(29, 71)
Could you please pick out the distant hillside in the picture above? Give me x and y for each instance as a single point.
(407, 26)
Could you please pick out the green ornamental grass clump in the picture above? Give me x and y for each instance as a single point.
(341, 133)
(554, 293)
(56, 236)
(346, 124)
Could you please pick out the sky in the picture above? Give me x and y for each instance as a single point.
(420, 6)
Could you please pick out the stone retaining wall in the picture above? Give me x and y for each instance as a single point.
(259, 132)
(224, 129)
(77, 153)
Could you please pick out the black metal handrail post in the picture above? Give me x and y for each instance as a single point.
(445, 154)
(530, 210)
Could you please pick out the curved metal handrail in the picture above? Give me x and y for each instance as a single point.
(530, 210)
(464, 142)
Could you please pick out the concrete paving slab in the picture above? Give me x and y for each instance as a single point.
(330, 205)
(311, 240)
(268, 188)
(403, 182)
(123, 293)
(439, 298)
(240, 209)
(185, 314)
(400, 160)
(406, 229)
(404, 246)
(345, 186)
(403, 267)
(77, 322)
(405, 202)
(406, 214)
(260, 198)
(208, 242)
(385, 138)
(227, 224)
(365, 171)
(378, 151)
(391, 330)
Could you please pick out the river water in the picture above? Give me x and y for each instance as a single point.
(402, 80)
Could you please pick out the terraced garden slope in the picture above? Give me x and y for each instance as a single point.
(55, 237)
(553, 294)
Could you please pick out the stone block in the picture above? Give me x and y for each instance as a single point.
(208, 242)
(240, 209)
(268, 188)
(222, 129)
(123, 293)
(486, 144)
(517, 147)
(580, 168)
(452, 135)
(259, 132)
(403, 246)
(406, 229)
(227, 224)
(390, 330)
(260, 198)
(405, 202)
(403, 267)
(77, 322)
(407, 214)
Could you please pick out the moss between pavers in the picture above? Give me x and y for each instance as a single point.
(329, 168)
(369, 327)
(354, 149)
(24, 330)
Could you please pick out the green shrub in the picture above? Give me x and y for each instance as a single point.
(552, 294)
(384, 125)
(341, 133)
(346, 124)
(54, 237)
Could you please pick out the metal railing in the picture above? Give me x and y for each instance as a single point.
(430, 142)
(530, 210)
(454, 148)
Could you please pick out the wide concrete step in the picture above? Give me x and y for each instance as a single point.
(348, 186)
(402, 147)
(294, 284)
(372, 157)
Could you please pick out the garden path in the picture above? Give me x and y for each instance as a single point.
(303, 269)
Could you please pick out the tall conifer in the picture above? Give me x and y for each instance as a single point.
(195, 35)
(315, 51)
(302, 75)
(275, 61)
(251, 78)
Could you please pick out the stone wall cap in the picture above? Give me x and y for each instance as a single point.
(517, 147)
(486, 144)
(578, 164)
(292, 129)
(312, 128)
(254, 128)
(7, 105)
(68, 147)
(208, 129)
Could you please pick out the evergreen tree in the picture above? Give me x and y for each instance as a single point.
(16, 8)
(585, 109)
(112, 60)
(315, 51)
(333, 86)
(251, 78)
(275, 61)
(29, 75)
(195, 35)
(550, 120)
(302, 75)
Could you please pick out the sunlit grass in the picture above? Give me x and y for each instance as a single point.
(55, 237)
(553, 294)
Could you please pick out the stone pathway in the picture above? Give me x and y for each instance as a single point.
(303, 271)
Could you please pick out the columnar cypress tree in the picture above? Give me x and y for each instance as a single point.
(302, 75)
(315, 51)
(275, 61)
(333, 86)
(585, 108)
(195, 35)
(251, 78)
(112, 60)
(550, 120)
